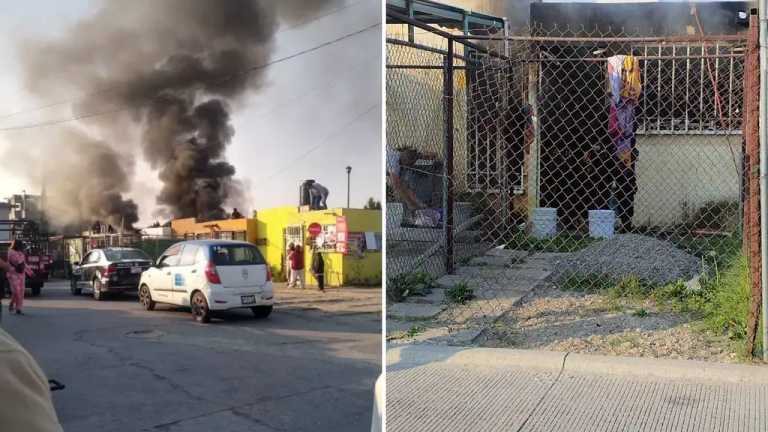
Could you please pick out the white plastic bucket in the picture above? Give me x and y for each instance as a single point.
(601, 223)
(543, 222)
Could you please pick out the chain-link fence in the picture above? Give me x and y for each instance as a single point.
(570, 158)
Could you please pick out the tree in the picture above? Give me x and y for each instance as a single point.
(372, 204)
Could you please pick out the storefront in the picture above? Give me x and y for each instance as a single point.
(348, 239)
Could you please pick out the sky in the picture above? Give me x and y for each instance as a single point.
(312, 119)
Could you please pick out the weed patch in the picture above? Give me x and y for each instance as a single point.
(409, 284)
(459, 293)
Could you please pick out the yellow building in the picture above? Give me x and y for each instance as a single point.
(226, 229)
(359, 265)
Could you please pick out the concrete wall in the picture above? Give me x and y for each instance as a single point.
(415, 112)
(680, 173)
(339, 269)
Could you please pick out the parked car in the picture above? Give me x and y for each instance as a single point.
(209, 276)
(109, 270)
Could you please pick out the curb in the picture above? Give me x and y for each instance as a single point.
(411, 356)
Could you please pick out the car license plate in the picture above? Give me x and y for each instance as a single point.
(135, 270)
(248, 299)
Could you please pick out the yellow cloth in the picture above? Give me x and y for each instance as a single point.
(630, 77)
(25, 397)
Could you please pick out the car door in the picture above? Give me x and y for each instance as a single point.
(83, 280)
(161, 283)
(90, 268)
(186, 276)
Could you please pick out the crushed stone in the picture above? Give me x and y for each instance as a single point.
(647, 258)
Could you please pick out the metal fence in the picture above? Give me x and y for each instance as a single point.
(541, 154)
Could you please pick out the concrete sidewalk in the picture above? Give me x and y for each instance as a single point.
(436, 388)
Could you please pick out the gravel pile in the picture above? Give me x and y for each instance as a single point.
(647, 258)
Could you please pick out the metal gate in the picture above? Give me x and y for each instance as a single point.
(525, 128)
(291, 234)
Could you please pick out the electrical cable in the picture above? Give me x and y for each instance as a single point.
(109, 89)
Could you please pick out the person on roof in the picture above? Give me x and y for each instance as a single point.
(319, 194)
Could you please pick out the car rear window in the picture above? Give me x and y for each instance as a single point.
(128, 254)
(235, 255)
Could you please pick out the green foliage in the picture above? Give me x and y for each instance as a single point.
(720, 306)
(372, 204)
(409, 284)
(459, 293)
(414, 331)
(586, 283)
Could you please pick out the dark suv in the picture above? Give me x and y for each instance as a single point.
(111, 270)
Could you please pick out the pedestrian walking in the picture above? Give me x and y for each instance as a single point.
(318, 269)
(17, 275)
(296, 259)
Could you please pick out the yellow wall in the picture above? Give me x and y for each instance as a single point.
(180, 227)
(339, 269)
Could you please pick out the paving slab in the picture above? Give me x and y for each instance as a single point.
(435, 297)
(513, 254)
(439, 388)
(413, 310)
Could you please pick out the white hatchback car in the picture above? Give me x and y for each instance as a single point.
(209, 275)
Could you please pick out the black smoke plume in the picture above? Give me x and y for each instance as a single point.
(173, 68)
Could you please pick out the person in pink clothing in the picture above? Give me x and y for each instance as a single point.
(17, 275)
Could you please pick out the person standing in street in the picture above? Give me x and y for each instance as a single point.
(17, 275)
(296, 259)
(318, 269)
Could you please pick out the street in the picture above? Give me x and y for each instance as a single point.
(311, 366)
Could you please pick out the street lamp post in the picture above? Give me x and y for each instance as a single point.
(349, 171)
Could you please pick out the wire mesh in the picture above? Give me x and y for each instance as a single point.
(563, 173)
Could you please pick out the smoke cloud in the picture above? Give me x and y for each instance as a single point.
(173, 69)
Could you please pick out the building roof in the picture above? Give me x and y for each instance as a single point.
(640, 19)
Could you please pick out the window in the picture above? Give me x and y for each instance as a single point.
(691, 89)
(232, 255)
(93, 257)
(224, 235)
(171, 256)
(188, 255)
(126, 254)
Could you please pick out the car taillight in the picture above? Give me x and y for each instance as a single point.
(112, 268)
(211, 274)
(269, 274)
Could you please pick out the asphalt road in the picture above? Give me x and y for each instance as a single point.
(308, 367)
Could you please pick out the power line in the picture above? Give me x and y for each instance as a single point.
(323, 142)
(108, 89)
(229, 77)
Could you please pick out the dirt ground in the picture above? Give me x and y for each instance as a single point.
(556, 320)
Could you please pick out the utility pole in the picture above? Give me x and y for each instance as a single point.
(349, 171)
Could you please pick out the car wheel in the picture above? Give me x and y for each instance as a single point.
(97, 293)
(145, 297)
(261, 311)
(36, 290)
(200, 310)
(73, 288)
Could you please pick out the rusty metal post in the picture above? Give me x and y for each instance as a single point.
(752, 208)
(448, 157)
